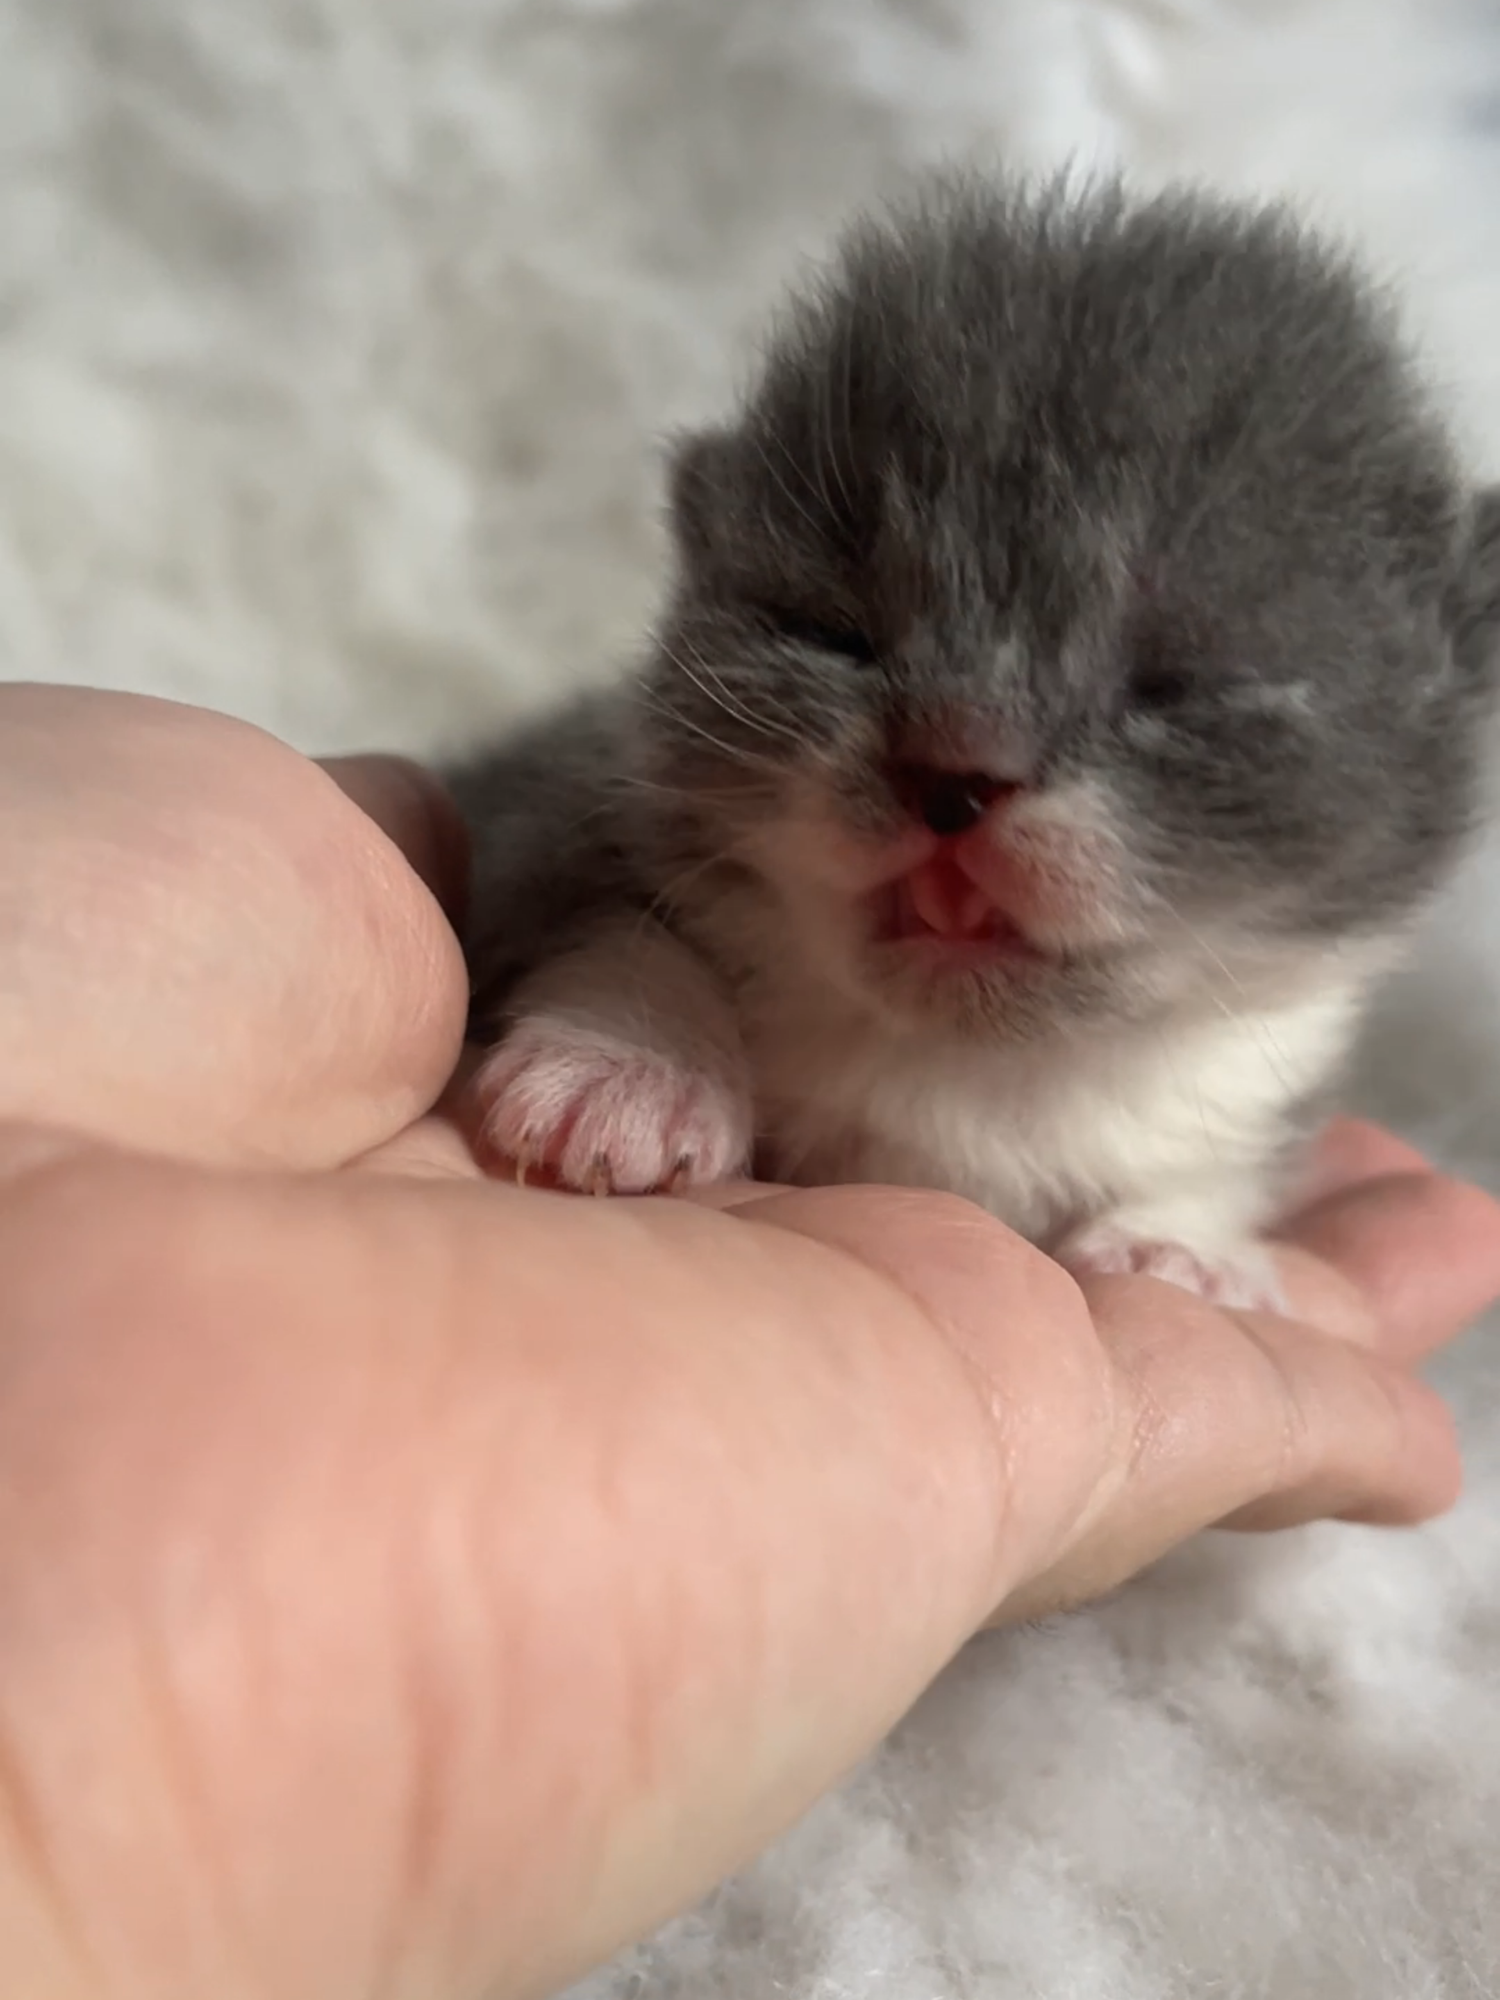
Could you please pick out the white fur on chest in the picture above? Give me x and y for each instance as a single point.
(1044, 1135)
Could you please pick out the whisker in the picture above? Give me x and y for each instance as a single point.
(790, 496)
(848, 386)
(1250, 1015)
(668, 897)
(732, 753)
(713, 686)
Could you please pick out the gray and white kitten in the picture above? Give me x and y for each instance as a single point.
(1075, 678)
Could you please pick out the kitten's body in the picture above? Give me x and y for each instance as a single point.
(1073, 685)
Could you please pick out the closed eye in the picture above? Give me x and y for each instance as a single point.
(847, 641)
(1161, 674)
(1159, 687)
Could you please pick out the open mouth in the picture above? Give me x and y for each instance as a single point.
(937, 908)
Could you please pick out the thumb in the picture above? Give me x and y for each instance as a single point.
(414, 811)
(206, 950)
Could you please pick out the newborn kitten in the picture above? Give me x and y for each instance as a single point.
(1074, 680)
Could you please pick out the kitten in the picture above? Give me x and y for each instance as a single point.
(1074, 680)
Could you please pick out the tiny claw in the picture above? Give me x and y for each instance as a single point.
(523, 1166)
(681, 1175)
(599, 1180)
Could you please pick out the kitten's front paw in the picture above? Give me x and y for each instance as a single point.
(603, 1116)
(1243, 1279)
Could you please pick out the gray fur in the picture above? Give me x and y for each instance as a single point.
(551, 836)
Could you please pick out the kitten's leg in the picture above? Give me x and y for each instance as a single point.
(619, 1068)
(1202, 1239)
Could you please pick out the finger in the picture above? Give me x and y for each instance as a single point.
(1198, 1415)
(735, 1196)
(209, 950)
(1019, 1326)
(413, 809)
(1363, 1440)
(577, 1545)
(1421, 1253)
(1400, 1468)
(1350, 1151)
(1250, 1421)
(1389, 1266)
(434, 1148)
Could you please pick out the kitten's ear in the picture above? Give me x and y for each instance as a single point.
(1474, 598)
(700, 491)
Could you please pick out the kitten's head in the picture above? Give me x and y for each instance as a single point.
(1085, 609)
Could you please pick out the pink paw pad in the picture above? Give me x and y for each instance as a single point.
(604, 1117)
(1244, 1281)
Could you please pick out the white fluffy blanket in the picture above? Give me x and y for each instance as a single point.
(336, 340)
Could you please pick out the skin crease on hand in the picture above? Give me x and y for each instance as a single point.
(417, 1585)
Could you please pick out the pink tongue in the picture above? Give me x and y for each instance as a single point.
(946, 900)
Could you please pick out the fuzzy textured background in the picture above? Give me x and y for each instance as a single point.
(337, 338)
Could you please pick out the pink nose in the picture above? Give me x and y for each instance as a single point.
(950, 802)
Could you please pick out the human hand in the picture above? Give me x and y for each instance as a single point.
(417, 1584)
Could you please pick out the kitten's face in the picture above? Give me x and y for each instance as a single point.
(1066, 624)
